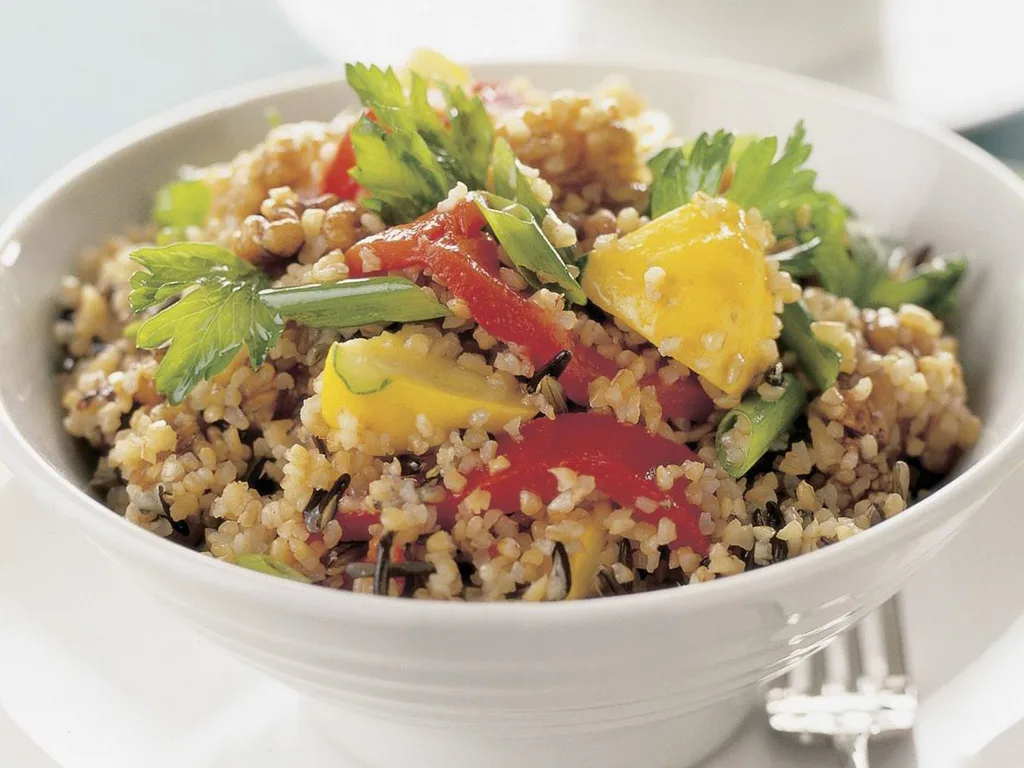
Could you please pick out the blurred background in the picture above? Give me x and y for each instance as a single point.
(76, 72)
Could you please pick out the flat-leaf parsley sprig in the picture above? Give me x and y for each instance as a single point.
(226, 304)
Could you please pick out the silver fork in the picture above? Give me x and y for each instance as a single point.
(854, 689)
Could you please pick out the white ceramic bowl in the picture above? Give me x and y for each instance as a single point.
(657, 679)
(825, 34)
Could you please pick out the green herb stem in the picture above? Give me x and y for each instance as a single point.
(351, 303)
(527, 246)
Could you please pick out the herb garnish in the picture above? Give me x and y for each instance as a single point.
(780, 188)
(931, 285)
(227, 305)
(407, 155)
(181, 204)
(208, 326)
(784, 191)
(678, 176)
(533, 255)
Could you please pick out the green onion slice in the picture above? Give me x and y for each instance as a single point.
(526, 245)
(748, 430)
(351, 303)
(268, 565)
(819, 360)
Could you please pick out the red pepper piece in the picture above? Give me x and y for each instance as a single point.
(497, 96)
(337, 180)
(355, 526)
(453, 246)
(621, 457)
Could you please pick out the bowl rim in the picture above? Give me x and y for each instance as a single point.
(971, 487)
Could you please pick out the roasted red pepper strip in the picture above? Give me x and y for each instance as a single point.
(337, 180)
(355, 526)
(497, 96)
(621, 457)
(453, 246)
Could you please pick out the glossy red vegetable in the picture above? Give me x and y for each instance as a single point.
(337, 179)
(454, 248)
(621, 457)
(355, 526)
(497, 96)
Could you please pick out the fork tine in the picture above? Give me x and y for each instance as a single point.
(855, 658)
(892, 629)
(799, 678)
(817, 672)
(843, 664)
(837, 666)
(873, 648)
(850, 690)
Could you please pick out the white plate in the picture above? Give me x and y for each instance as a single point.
(92, 690)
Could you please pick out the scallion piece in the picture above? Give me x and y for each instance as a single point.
(527, 246)
(268, 565)
(819, 361)
(748, 430)
(351, 303)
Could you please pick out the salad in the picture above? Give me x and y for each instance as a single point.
(478, 341)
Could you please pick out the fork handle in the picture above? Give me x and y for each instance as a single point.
(854, 748)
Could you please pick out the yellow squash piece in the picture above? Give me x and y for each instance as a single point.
(583, 563)
(386, 385)
(693, 282)
(432, 65)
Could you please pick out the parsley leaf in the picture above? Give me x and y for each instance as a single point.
(227, 304)
(181, 204)
(779, 188)
(403, 178)
(408, 155)
(759, 181)
(211, 323)
(472, 132)
(532, 254)
(678, 176)
(173, 268)
(510, 180)
(931, 285)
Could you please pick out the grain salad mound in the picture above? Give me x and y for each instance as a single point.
(481, 342)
